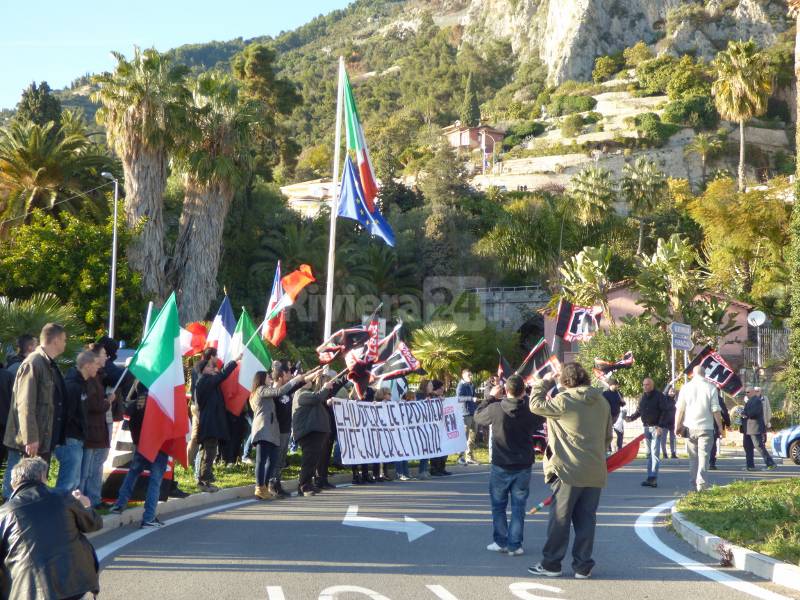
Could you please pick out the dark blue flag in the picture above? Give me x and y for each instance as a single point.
(353, 206)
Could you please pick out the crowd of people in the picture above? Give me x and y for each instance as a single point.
(70, 416)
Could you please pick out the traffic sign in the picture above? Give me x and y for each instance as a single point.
(680, 329)
(681, 342)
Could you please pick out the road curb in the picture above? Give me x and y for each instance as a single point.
(753, 562)
(133, 516)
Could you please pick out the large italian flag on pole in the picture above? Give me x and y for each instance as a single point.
(255, 358)
(358, 144)
(157, 364)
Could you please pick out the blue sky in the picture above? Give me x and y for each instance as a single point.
(57, 41)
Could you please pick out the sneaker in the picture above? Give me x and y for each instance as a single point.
(404, 478)
(178, 493)
(461, 461)
(307, 492)
(115, 510)
(276, 490)
(493, 547)
(472, 462)
(583, 575)
(538, 569)
(154, 524)
(517, 552)
(650, 483)
(207, 487)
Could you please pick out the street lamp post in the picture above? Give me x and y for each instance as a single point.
(112, 300)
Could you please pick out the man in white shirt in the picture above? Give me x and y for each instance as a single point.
(697, 409)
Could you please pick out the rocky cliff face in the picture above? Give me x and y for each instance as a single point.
(569, 34)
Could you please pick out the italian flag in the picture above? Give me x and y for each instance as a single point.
(358, 144)
(158, 365)
(255, 358)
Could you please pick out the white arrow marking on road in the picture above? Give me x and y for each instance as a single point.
(411, 527)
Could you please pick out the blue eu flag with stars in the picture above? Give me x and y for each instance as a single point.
(353, 206)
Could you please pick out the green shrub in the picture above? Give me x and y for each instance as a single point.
(654, 75)
(605, 67)
(694, 14)
(565, 105)
(637, 54)
(572, 125)
(651, 129)
(695, 111)
(649, 344)
(686, 79)
(516, 134)
(593, 117)
(784, 163)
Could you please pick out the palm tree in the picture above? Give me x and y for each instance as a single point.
(42, 169)
(593, 193)
(213, 164)
(705, 146)
(742, 88)
(585, 280)
(670, 279)
(440, 349)
(144, 107)
(643, 186)
(18, 316)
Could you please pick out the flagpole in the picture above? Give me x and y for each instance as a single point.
(334, 204)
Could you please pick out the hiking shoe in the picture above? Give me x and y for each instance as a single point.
(493, 547)
(517, 552)
(538, 569)
(583, 575)
(115, 510)
(154, 524)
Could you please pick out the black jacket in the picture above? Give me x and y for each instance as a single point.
(75, 405)
(754, 410)
(283, 405)
(134, 413)
(6, 385)
(513, 426)
(309, 410)
(615, 402)
(654, 409)
(213, 420)
(45, 554)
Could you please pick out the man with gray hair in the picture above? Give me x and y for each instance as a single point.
(697, 410)
(44, 551)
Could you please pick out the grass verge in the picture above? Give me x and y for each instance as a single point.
(761, 515)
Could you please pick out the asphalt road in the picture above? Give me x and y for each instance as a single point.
(299, 548)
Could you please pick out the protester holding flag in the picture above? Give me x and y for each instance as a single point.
(697, 411)
(266, 429)
(213, 418)
(311, 424)
(579, 428)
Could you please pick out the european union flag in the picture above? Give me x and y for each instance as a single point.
(353, 206)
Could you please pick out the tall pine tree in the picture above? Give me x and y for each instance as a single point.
(38, 105)
(470, 113)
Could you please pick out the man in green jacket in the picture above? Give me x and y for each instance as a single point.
(579, 431)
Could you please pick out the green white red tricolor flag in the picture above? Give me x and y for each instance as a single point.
(255, 357)
(157, 364)
(358, 144)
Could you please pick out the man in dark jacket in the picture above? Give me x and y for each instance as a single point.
(513, 426)
(26, 344)
(36, 417)
(754, 428)
(76, 416)
(311, 426)
(281, 376)
(614, 399)
(45, 554)
(653, 409)
(668, 431)
(213, 420)
(465, 390)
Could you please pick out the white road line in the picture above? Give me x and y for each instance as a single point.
(645, 530)
(104, 552)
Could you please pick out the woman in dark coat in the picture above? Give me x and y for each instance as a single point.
(213, 420)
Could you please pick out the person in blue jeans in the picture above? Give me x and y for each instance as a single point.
(513, 426)
(655, 410)
(70, 452)
(157, 468)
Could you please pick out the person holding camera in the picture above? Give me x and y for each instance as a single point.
(697, 411)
